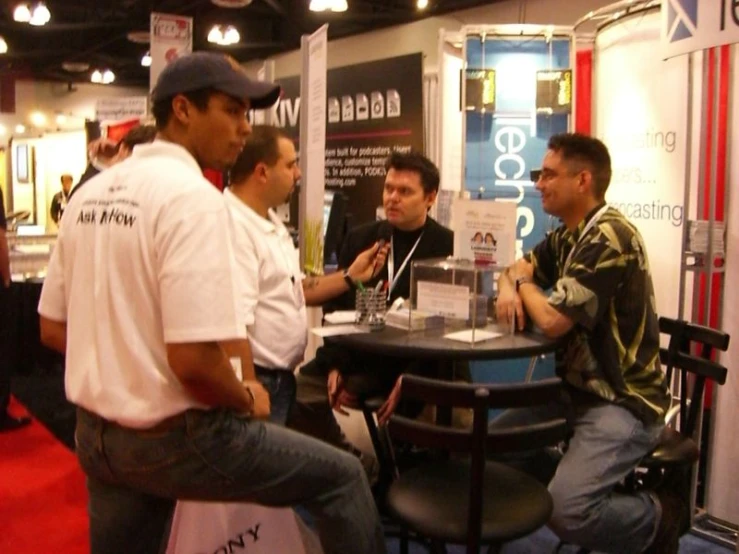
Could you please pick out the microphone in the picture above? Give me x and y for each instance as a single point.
(384, 234)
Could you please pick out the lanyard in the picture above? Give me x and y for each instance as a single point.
(590, 224)
(391, 264)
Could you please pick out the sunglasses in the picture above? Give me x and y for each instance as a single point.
(535, 174)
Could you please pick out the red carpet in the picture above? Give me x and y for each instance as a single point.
(43, 499)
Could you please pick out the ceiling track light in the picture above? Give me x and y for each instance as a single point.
(328, 6)
(146, 60)
(37, 15)
(224, 35)
(422, 4)
(3, 45)
(22, 13)
(102, 77)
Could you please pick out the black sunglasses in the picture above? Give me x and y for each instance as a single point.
(535, 174)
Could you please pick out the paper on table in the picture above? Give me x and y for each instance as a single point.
(333, 330)
(341, 316)
(466, 335)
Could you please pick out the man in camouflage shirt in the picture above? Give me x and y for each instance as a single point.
(602, 303)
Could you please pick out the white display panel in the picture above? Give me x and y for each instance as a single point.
(641, 115)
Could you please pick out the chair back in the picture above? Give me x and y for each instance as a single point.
(477, 441)
(684, 336)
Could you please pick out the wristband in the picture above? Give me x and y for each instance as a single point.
(522, 280)
(348, 280)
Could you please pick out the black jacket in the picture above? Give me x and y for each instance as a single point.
(436, 242)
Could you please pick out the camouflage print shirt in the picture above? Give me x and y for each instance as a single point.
(606, 290)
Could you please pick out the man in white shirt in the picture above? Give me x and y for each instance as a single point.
(142, 294)
(275, 291)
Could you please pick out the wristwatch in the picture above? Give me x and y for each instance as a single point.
(348, 280)
(521, 280)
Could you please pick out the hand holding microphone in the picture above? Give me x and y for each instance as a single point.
(384, 235)
(369, 262)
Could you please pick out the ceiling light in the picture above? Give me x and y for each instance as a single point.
(328, 5)
(38, 119)
(215, 35)
(3, 130)
(422, 4)
(96, 76)
(231, 3)
(231, 36)
(75, 67)
(3, 46)
(108, 77)
(146, 60)
(20, 129)
(223, 36)
(61, 119)
(40, 15)
(139, 37)
(22, 13)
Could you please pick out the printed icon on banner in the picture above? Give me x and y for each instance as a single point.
(362, 106)
(333, 109)
(682, 19)
(377, 101)
(393, 103)
(347, 108)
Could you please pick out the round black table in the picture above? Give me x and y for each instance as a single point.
(431, 344)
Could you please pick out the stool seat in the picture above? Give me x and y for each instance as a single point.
(673, 449)
(433, 501)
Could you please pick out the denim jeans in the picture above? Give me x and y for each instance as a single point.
(134, 476)
(280, 384)
(607, 444)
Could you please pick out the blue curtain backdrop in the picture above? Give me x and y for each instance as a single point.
(502, 147)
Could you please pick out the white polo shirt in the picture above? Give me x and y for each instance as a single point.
(273, 300)
(144, 258)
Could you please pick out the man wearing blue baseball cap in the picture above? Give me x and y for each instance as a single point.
(142, 295)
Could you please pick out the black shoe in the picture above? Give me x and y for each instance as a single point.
(673, 523)
(10, 423)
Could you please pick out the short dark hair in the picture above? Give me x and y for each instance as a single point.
(261, 147)
(588, 151)
(141, 134)
(415, 161)
(162, 109)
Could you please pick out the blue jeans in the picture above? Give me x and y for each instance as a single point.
(134, 477)
(607, 444)
(280, 384)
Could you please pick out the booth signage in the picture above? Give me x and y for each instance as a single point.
(554, 91)
(118, 109)
(479, 90)
(372, 109)
(171, 37)
(690, 25)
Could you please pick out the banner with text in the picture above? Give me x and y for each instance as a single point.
(690, 25)
(643, 122)
(502, 147)
(171, 37)
(372, 109)
(313, 149)
(115, 109)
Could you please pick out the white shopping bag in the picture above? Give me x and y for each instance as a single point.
(219, 528)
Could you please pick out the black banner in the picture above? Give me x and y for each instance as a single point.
(372, 109)
(554, 91)
(480, 90)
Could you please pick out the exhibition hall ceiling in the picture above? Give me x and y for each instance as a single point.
(107, 34)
